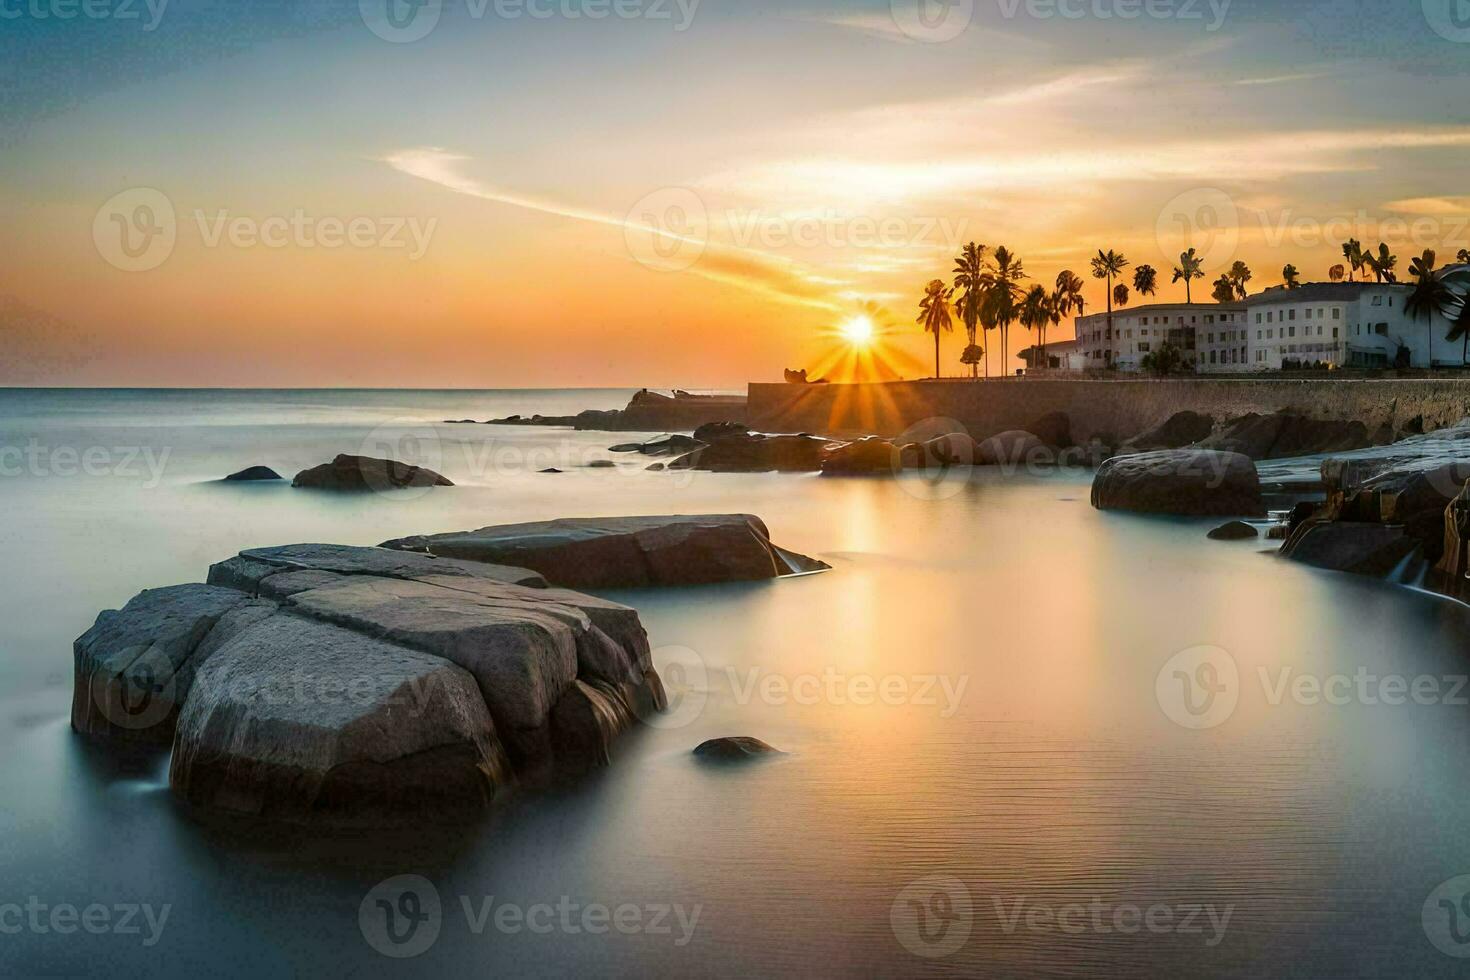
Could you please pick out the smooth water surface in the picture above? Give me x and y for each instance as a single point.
(985, 770)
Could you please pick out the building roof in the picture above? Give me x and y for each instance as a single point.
(1316, 292)
(1157, 307)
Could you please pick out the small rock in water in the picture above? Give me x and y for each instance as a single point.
(602, 464)
(655, 467)
(1234, 531)
(734, 749)
(551, 470)
(254, 474)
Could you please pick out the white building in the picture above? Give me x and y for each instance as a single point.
(1344, 324)
(1138, 332)
(1061, 355)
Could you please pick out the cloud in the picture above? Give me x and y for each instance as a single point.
(767, 275)
(1431, 206)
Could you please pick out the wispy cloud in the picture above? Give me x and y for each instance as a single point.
(1431, 206)
(1306, 76)
(767, 275)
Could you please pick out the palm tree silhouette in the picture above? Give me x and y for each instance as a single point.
(1224, 291)
(1003, 298)
(1036, 313)
(1337, 273)
(1352, 250)
(1383, 264)
(1067, 299)
(1189, 269)
(1108, 265)
(1240, 274)
(1432, 295)
(934, 315)
(1292, 276)
(1120, 294)
(971, 279)
(1146, 280)
(1463, 256)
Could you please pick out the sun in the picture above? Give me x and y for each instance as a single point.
(858, 331)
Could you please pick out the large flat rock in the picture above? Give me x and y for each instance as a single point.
(1191, 482)
(302, 720)
(340, 684)
(626, 552)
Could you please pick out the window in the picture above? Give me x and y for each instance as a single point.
(1258, 318)
(1334, 333)
(1143, 348)
(1381, 329)
(1337, 313)
(1271, 317)
(1309, 313)
(1377, 300)
(1212, 357)
(1258, 333)
(1293, 315)
(1293, 331)
(1270, 334)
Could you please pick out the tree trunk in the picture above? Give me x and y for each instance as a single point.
(936, 355)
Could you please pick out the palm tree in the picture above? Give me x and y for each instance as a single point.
(1430, 295)
(1107, 265)
(1292, 276)
(1240, 274)
(1224, 289)
(934, 315)
(1463, 256)
(1189, 269)
(1067, 300)
(1003, 298)
(1337, 273)
(971, 279)
(1352, 250)
(1383, 264)
(1036, 313)
(1120, 294)
(1146, 280)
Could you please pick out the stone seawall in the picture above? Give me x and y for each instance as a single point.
(1117, 409)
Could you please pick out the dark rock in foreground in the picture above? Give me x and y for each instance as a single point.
(668, 446)
(1234, 531)
(1190, 482)
(351, 685)
(254, 474)
(1350, 546)
(359, 473)
(625, 552)
(735, 749)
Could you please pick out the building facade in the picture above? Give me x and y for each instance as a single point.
(1135, 333)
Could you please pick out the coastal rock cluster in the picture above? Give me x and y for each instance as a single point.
(338, 684)
(350, 473)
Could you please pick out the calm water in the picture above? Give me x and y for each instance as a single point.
(980, 763)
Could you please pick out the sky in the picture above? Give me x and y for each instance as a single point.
(691, 193)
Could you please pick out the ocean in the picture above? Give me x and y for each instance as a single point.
(990, 770)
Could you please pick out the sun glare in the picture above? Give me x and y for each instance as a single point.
(858, 331)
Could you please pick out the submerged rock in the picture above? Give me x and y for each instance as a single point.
(626, 552)
(1015, 448)
(254, 474)
(1234, 531)
(1350, 546)
(753, 452)
(735, 749)
(349, 685)
(668, 446)
(359, 473)
(1189, 482)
